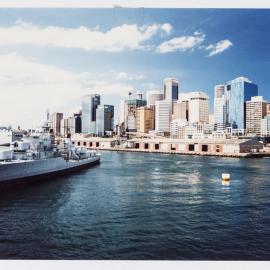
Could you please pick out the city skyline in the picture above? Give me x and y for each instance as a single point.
(48, 59)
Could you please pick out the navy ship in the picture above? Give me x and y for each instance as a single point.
(36, 155)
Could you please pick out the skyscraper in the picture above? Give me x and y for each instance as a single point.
(105, 119)
(163, 116)
(145, 119)
(56, 123)
(238, 91)
(89, 106)
(198, 107)
(171, 88)
(255, 112)
(220, 108)
(152, 97)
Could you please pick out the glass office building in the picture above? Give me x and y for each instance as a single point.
(89, 106)
(105, 119)
(238, 91)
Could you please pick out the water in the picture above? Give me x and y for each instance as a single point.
(142, 206)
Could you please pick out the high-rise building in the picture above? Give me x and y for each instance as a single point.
(162, 116)
(145, 119)
(152, 97)
(105, 119)
(220, 108)
(176, 128)
(198, 107)
(255, 112)
(265, 126)
(56, 123)
(78, 122)
(171, 88)
(89, 106)
(129, 110)
(180, 109)
(68, 127)
(268, 109)
(238, 91)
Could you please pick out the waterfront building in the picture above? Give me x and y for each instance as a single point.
(145, 119)
(198, 107)
(220, 108)
(255, 112)
(68, 126)
(162, 116)
(152, 97)
(89, 106)
(171, 88)
(265, 126)
(238, 91)
(105, 119)
(56, 123)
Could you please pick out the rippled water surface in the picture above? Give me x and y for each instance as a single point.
(142, 206)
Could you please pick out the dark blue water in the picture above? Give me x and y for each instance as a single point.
(142, 206)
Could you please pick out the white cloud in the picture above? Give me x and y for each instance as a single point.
(181, 44)
(126, 36)
(220, 47)
(123, 76)
(28, 88)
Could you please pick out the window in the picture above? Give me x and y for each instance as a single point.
(84, 143)
(146, 146)
(205, 148)
(79, 143)
(136, 145)
(156, 146)
(97, 144)
(191, 147)
(90, 144)
(173, 147)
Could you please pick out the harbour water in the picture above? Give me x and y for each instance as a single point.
(142, 206)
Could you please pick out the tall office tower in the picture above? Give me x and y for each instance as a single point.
(152, 97)
(220, 108)
(68, 127)
(265, 126)
(180, 110)
(238, 91)
(198, 107)
(89, 106)
(171, 88)
(268, 109)
(255, 112)
(56, 123)
(163, 116)
(78, 122)
(129, 110)
(145, 119)
(105, 119)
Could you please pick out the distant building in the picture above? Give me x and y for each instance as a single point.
(198, 107)
(180, 110)
(171, 88)
(238, 91)
(265, 126)
(255, 112)
(129, 111)
(78, 122)
(145, 119)
(152, 97)
(89, 106)
(268, 109)
(56, 123)
(220, 108)
(162, 116)
(176, 128)
(105, 119)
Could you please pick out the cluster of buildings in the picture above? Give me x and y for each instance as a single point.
(238, 111)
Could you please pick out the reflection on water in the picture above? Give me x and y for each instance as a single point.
(142, 206)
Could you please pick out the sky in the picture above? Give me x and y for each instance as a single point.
(49, 58)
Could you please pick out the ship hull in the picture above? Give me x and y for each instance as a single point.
(31, 170)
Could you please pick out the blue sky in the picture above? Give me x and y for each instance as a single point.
(50, 57)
